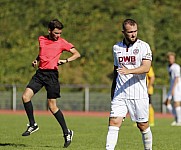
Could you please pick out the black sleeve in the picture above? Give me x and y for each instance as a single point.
(38, 58)
(115, 74)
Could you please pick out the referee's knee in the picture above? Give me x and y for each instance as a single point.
(52, 106)
(25, 98)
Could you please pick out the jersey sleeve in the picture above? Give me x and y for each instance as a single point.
(66, 45)
(115, 56)
(177, 71)
(147, 53)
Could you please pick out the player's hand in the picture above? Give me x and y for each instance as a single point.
(166, 102)
(34, 63)
(173, 91)
(123, 70)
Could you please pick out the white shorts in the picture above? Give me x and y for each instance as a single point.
(138, 109)
(177, 93)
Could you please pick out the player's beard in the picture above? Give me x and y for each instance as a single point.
(131, 40)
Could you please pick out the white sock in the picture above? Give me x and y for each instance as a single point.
(112, 137)
(178, 113)
(170, 109)
(147, 139)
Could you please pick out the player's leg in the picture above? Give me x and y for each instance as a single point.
(151, 112)
(117, 114)
(177, 112)
(139, 112)
(171, 110)
(177, 104)
(151, 115)
(146, 134)
(113, 130)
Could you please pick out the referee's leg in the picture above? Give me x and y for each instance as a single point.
(68, 134)
(26, 98)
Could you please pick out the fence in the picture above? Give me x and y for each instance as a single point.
(73, 97)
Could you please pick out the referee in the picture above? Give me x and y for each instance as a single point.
(51, 47)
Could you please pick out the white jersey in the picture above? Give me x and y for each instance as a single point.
(131, 86)
(174, 72)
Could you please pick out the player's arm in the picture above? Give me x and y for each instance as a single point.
(75, 55)
(144, 68)
(151, 80)
(115, 74)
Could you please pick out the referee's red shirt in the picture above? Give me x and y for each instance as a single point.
(50, 51)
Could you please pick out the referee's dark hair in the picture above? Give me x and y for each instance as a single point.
(55, 23)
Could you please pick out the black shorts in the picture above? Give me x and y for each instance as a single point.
(47, 78)
(149, 95)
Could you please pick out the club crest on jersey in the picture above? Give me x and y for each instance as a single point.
(135, 51)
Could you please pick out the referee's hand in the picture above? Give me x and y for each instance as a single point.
(61, 62)
(34, 63)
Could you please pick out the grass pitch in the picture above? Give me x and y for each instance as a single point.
(89, 134)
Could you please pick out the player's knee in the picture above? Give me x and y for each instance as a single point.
(142, 126)
(115, 121)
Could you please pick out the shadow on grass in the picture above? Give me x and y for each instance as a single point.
(12, 144)
(20, 145)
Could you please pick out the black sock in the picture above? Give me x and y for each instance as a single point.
(60, 118)
(29, 111)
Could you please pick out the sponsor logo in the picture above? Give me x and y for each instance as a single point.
(127, 60)
(141, 118)
(111, 112)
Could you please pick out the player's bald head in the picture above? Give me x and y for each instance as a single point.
(131, 22)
